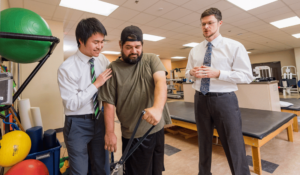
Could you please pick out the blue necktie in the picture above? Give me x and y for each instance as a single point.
(204, 88)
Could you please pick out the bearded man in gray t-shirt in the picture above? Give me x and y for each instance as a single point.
(138, 83)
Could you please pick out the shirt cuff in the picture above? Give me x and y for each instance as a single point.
(224, 75)
(92, 88)
(189, 76)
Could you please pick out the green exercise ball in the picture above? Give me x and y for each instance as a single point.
(19, 20)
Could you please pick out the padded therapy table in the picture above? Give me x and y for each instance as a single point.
(295, 109)
(258, 126)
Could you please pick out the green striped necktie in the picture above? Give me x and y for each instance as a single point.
(95, 100)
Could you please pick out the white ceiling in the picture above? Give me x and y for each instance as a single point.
(179, 22)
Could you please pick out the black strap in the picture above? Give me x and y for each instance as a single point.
(138, 144)
(127, 154)
(2, 116)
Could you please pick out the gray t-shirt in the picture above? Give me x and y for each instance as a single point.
(131, 90)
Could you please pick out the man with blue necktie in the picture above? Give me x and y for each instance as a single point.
(217, 64)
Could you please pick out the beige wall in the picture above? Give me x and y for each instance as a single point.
(168, 65)
(179, 64)
(43, 90)
(112, 58)
(286, 57)
(3, 5)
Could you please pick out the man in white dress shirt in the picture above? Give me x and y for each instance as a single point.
(79, 78)
(217, 64)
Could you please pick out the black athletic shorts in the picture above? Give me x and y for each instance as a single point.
(148, 158)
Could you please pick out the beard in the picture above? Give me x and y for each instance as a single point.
(128, 60)
(210, 35)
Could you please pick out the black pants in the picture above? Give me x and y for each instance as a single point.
(221, 111)
(148, 158)
(84, 139)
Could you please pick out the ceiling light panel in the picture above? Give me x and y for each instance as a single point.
(193, 44)
(111, 53)
(178, 57)
(250, 4)
(152, 37)
(91, 6)
(296, 35)
(286, 22)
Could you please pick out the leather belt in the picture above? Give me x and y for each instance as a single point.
(215, 94)
(85, 116)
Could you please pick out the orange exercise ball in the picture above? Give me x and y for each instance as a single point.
(29, 167)
(14, 147)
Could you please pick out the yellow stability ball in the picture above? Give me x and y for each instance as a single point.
(14, 147)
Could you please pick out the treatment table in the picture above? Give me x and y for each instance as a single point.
(295, 109)
(258, 126)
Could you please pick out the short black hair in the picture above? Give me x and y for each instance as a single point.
(87, 27)
(212, 11)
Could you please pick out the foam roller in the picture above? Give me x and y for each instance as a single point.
(49, 139)
(36, 136)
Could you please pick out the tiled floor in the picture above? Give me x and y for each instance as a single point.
(181, 156)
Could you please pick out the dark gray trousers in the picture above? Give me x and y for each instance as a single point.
(148, 158)
(84, 139)
(223, 112)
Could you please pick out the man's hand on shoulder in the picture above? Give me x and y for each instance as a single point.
(102, 78)
(110, 142)
(153, 115)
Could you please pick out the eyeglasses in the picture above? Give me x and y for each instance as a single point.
(209, 24)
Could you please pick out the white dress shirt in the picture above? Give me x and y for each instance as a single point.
(228, 56)
(75, 82)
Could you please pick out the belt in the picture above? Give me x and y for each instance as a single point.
(85, 116)
(214, 93)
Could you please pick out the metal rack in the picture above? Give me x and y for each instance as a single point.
(52, 39)
(171, 87)
(288, 74)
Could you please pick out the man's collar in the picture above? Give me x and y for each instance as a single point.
(83, 57)
(214, 42)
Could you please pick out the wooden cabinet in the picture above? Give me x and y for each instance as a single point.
(259, 95)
